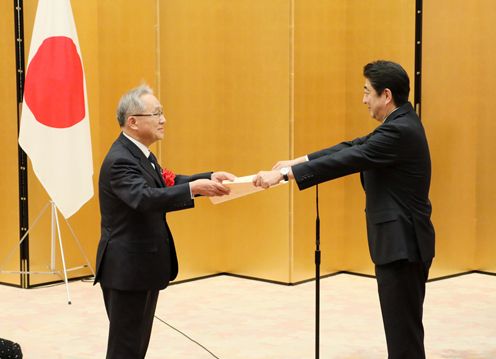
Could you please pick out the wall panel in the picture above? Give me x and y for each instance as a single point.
(191, 63)
(319, 121)
(241, 92)
(450, 114)
(225, 83)
(257, 109)
(9, 193)
(484, 33)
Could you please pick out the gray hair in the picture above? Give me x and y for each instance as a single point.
(131, 103)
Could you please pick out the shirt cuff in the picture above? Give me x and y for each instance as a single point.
(190, 193)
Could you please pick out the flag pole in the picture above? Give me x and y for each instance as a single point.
(22, 157)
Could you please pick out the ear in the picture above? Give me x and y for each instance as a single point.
(132, 123)
(389, 95)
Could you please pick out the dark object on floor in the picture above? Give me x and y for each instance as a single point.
(9, 350)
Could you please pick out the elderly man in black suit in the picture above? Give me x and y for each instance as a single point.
(136, 256)
(395, 169)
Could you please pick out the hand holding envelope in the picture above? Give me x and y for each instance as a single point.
(266, 179)
(240, 186)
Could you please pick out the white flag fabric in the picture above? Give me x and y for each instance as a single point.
(55, 127)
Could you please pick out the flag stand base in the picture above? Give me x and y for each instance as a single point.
(55, 232)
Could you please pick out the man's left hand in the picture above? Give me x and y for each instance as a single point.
(221, 176)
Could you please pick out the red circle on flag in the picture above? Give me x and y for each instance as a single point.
(54, 89)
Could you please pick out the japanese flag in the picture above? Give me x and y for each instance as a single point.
(55, 128)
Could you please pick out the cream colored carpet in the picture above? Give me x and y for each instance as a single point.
(237, 318)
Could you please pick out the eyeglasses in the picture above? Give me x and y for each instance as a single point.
(159, 113)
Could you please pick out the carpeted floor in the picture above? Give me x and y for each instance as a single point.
(236, 318)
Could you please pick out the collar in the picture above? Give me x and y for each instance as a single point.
(398, 111)
(141, 146)
(389, 114)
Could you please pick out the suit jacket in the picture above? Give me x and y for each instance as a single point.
(136, 249)
(395, 167)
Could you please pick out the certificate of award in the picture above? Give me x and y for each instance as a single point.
(241, 186)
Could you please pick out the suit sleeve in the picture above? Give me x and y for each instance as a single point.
(336, 148)
(379, 149)
(180, 179)
(128, 183)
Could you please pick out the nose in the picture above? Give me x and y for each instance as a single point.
(162, 119)
(364, 99)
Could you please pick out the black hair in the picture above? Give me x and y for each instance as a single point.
(387, 74)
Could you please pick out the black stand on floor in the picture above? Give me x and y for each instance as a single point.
(317, 275)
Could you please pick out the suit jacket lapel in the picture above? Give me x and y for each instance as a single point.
(145, 162)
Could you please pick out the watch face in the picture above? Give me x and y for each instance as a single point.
(284, 170)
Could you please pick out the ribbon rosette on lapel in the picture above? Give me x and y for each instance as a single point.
(168, 177)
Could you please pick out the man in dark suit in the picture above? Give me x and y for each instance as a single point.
(136, 255)
(395, 168)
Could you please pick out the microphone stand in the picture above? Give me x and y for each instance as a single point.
(317, 275)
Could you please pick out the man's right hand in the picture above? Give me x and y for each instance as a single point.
(205, 187)
(289, 163)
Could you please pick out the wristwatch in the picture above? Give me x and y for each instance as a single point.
(284, 172)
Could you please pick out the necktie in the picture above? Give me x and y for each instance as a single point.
(154, 162)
